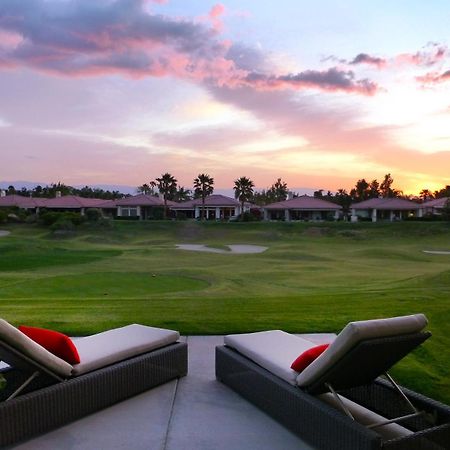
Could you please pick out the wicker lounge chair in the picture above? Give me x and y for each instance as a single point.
(46, 392)
(339, 401)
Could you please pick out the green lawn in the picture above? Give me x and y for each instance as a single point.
(313, 277)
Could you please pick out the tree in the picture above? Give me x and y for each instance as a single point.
(182, 194)
(167, 186)
(243, 191)
(386, 189)
(143, 189)
(374, 189)
(203, 186)
(344, 199)
(147, 188)
(425, 195)
(444, 192)
(278, 191)
(361, 191)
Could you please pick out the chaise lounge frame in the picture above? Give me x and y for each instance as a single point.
(62, 401)
(355, 377)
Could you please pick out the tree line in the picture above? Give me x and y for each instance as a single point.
(168, 188)
(50, 191)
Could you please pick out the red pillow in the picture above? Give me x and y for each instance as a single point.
(307, 357)
(57, 343)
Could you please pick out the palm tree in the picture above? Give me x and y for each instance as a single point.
(167, 186)
(425, 194)
(203, 186)
(243, 191)
(143, 189)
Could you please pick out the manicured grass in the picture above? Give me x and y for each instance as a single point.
(313, 278)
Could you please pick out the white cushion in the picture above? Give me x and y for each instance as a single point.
(106, 348)
(19, 341)
(355, 332)
(366, 417)
(274, 350)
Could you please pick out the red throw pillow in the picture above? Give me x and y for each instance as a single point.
(307, 357)
(57, 343)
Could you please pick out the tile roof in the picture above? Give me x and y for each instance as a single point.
(212, 200)
(386, 204)
(304, 202)
(436, 203)
(22, 201)
(143, 200)
(73, 202)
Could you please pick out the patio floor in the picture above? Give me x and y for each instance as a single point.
(196, 412)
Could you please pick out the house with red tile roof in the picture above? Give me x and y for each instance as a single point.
(390, 209)
(72, 203)
(20, 201)
(58, 203)
(217, 207)
(435, 206)
(140, 206)
(302, 208)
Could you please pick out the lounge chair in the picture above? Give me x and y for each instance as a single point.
(339, 401)
(114, 365)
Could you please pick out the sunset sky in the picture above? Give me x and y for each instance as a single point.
(318, 93)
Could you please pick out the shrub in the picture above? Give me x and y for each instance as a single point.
(3, 216)
(62, 225)
(31, 218)
(49, 218)
(157, 213)
(93, 214)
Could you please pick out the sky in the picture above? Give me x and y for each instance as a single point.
(319, 94)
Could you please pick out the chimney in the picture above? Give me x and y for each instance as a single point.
(2, 193)
(58, 194)
(290, 195)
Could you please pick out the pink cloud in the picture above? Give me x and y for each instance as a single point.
(121, 37)
(434, 77)
(330, 80)
(430, 55)
(364, 58)
(215, 15)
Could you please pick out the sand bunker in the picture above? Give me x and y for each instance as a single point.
(437, 252)
(241, 249)
(4, 233)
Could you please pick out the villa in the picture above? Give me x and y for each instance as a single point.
(302, 208)
(142, 206)
(219, 207)
(390, 209)
(435, 206)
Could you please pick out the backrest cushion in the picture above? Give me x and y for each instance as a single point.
(355, 332)
(19, 341)
(57, 343)
(307, 357)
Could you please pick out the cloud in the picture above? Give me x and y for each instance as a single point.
(83, 38)
(328, 80)
(364, 58)
(215, 15)
(430, 55)
(434, 77)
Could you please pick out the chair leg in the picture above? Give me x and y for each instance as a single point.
(23, 385)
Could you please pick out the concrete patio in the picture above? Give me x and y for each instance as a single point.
(193, 413)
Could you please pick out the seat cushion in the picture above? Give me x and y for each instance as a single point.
(103, 349)
(355, 332)
(274, 350)
(19, 341)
